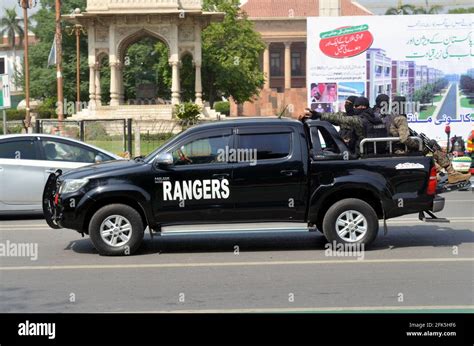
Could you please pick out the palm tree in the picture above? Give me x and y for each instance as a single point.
(401, 9)
(11, 26)
(435, 9)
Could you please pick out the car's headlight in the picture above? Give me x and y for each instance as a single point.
(72, 185)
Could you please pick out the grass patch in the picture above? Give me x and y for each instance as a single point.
(437, 98)
(467, 102)
(116, 146)
(427, 112)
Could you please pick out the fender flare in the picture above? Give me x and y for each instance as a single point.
(125, 192)
(372, 183)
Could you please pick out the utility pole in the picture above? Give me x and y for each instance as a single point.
(25, 5)
(59, 68)
(77, 29)
(78, 67)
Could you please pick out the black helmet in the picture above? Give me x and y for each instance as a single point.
(362, 101)
(381, 100)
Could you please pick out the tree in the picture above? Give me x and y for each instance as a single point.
(467, 84)
(231, 54)
(11, 26)
(42, 77)
(410, 9)
(147, 62)
(402, 9)
(439, 85)
(461, 10)
(434, 9)
(424, 95)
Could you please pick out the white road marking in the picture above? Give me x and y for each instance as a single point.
(234, 264)
(310, 309)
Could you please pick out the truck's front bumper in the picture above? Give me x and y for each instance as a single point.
(51, 211)
(438, 204)
(57, 211)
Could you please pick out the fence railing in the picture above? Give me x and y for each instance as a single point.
(125, 137)
(12, 127)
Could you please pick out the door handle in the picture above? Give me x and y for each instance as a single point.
(221, 176)
(288, 173)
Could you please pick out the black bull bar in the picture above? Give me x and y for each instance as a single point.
(50, 200)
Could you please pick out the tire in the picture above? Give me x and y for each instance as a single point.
(127, 239)
(345, 211)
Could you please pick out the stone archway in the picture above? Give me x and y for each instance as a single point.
(113, 25)
(127, 63)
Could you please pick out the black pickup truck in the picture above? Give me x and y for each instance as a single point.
(242, 171)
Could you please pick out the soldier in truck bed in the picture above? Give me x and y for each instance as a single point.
(347, 133)
(397, 126)
(364, 123)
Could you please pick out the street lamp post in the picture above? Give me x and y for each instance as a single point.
(25, 5)
(77, 29)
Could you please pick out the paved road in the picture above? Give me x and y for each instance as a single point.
(449, 105)
(416, 266)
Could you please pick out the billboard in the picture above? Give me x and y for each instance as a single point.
(426, 58)
(5, 100)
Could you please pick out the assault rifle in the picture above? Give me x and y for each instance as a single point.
(429, 144)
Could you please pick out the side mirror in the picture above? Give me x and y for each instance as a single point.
(164, 160)
(98, 159)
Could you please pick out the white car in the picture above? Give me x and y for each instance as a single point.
(26, 161)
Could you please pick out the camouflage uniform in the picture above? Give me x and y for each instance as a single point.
(345, 122)
(399, 128)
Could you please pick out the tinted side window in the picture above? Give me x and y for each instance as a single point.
(59, 151)
(268, 145)
(201, 151)
(327, 142)
(20, 150)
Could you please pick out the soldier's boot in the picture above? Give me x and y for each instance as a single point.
(456, 177)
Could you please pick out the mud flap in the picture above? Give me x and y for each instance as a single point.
(50, 209)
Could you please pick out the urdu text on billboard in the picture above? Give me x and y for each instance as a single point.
(429, 59)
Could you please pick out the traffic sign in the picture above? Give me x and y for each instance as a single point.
(5, 99)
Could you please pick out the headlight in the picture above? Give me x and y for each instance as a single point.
(72, 185)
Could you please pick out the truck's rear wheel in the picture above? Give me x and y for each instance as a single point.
(351, 221)
(116, 229)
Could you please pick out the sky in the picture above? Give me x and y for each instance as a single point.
(14, 3)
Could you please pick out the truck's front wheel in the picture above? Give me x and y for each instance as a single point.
(116, 229)
(351, 221)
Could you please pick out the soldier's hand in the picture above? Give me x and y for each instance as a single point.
(303, 117)
(312, 114)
